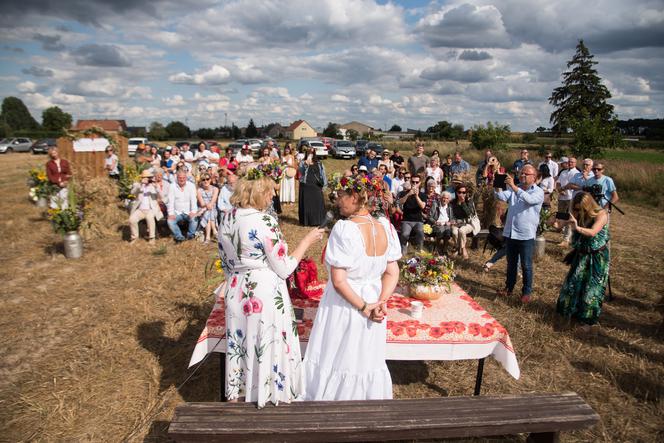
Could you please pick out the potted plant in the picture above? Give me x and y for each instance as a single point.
(40, 188)
(67, 221)
(427, 275)
(542, 227)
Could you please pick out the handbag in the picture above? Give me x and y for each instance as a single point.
(475, 223)
(290, 172)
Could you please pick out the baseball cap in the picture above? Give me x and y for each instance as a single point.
(564, 159)
(363, 168)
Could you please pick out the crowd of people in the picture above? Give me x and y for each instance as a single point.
(384, 203)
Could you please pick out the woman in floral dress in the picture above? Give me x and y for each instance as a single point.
(263, 362)
(582, 293)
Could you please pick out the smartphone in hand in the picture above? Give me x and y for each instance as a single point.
(562, 215)
(499, 181)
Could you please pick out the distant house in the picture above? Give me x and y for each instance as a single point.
(299, 129)
(274, 130)
(360, 128)
(110, 126)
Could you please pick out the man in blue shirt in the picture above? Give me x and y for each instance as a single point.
(369, 160)
(523, 215)
(459, 165)
(519, 164)
(609, 192)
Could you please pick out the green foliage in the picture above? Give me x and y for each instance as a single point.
(332, 131)
(36, 134)
(540, 129)
(157, 131)
(491, 136)
(177, 130)
(205, 133)
(128, 176)
(395, 128)
(352, 134)
(529, 138)
(16, 115)
(235, 132)
(543, 225)
(55, 119)
(592, 135)
(445, 130)
(251, 131)
(69, 219)
(581, 94)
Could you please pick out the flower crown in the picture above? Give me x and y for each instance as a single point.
(272, 170)
(373, 185)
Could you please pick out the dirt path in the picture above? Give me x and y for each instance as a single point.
(93, 349)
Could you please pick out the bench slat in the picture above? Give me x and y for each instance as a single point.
(379, 420)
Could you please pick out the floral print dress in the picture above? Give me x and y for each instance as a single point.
(582, 293)
(263, 360)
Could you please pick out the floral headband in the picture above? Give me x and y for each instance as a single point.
(373, 185)
(272, 170)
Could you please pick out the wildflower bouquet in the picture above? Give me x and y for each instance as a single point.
(427, 274)
(67, 219)
(40, 187)
(373, 185)
(273, 170)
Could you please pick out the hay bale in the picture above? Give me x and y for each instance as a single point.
(104, 214)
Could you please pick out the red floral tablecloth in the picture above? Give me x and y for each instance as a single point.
(454, 327)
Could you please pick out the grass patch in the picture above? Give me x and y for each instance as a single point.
(634, 155)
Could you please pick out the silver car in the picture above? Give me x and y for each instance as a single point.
(18, 144)
(343, 149)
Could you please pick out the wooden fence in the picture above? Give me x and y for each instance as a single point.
(90, 164)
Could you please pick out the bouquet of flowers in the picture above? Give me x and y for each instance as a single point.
(68, 219)
(425, 269)
(273, 170)
(373, 185)
(39, 184)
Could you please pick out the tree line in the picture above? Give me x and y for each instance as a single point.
(15, 119)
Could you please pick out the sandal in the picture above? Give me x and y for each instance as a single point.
(503, 292)
(487, 266)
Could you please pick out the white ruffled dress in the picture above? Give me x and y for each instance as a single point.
(345, 356)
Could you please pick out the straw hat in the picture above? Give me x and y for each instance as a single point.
(147, 174)
(457, 178)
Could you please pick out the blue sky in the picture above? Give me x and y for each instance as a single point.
(410, 63)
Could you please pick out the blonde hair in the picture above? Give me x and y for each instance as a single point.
(255, 194)
(585, 209)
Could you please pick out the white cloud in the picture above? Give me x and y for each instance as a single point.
(216, 75)
(339, 98)
(27, 86)
(176, 100)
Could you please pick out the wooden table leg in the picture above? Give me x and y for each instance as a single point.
(478, 378)
(222, 376)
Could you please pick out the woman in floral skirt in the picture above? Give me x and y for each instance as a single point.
(263, 362)
(582, 293)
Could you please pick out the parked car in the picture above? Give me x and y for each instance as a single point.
(41, 146)
(18, 144)
(236, 146)
(321, 149)
(360, 146)
(343, 149)
(376, 147)
(133, 143)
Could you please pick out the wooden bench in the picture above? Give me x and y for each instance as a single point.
(541, 415)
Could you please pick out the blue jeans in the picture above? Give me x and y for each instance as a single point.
(408, 227)
(175, 229)
(523, 250)
(500, 253)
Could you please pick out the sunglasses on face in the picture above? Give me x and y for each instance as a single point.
(415, 182)
(461, 192)
(598, 169)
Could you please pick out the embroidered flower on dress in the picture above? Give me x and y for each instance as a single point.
(234, 281)
(253, 235)
(247, 307)
(256, 304)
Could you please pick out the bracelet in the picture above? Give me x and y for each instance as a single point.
(364, 306)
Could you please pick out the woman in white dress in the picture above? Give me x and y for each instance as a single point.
(287, 191)
(345, 357)
(263, 360)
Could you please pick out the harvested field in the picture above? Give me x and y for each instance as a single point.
(97, 349)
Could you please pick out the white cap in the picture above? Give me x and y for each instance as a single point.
(363, 168)
(564, 159)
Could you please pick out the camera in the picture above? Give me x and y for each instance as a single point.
(596, 191)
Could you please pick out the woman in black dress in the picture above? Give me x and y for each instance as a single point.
(311, 206)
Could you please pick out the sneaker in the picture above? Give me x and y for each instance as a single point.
(487, 266)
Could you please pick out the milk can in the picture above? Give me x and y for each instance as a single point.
(73, 244)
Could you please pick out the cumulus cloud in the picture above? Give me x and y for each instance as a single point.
(216, 75)
(465, 26)
(472, 55)
(101, 55)
(50, 42)
(339, 98)
(38, 72)
(457, 71)
(27, 86)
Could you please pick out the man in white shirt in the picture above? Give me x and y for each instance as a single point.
(187, 155)
(565, 195)
(182, 206)
(244, 156)
(580, 180)
(553, 166)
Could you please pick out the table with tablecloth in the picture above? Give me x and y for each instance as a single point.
(453, 327)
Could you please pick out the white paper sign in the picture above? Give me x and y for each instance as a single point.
(90, 145)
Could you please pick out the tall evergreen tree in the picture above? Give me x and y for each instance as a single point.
(251, 130)
(16, 115)
(581, 94)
